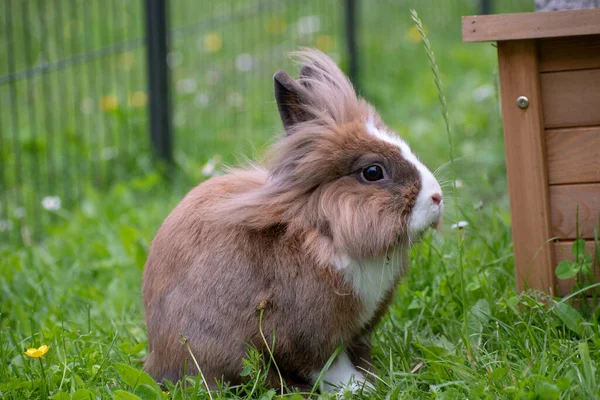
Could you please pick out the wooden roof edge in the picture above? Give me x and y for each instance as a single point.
(530, 25)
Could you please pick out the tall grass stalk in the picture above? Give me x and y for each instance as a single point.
(337, 351)
(44, 381)
(444, 109)
(260, 320)
(187, 345)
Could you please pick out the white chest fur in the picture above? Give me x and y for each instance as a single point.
(373, 279)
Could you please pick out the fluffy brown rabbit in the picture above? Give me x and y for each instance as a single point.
(318, 238)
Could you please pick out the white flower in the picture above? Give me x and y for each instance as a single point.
(460, 225)
(202, 100)
(459, 184)
(51, 203)
(244, 62)
(210, 166)
(187, 85)
(19, 212)
(107, 153)
(483, 92)
(6, 225)
(309, 24)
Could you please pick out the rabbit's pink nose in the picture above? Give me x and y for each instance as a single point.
(437, 198)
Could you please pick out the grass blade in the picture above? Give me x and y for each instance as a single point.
(444, 109)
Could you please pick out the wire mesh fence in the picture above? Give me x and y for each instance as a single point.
(74, 87)
(72, 104)
(222, 70)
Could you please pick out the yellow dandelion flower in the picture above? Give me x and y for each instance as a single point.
(275, 25)
(413, 34)
(138, 99)
(109, 103)
(37, 353)
(324, 43)
(213, 42)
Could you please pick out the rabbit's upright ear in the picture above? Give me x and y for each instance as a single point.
(308, 73)
(292, 100)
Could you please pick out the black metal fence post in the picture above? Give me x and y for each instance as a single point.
(350, 13)
(158, 78)
(486, 7)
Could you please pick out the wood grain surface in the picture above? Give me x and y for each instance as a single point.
(569, 53)
(565, 199)
(525, 163)
(573, 155)
(497, 27)
(571, 98)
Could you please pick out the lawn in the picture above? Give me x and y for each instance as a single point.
(456, 329)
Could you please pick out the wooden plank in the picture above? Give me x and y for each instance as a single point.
(573, 155)
(525, 164)
(533, 25)
(569, 53)
(565, 199)
(571, 98)
(562, 251)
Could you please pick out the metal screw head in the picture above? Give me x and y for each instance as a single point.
(522, 102)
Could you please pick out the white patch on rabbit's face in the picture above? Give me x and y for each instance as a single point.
(342, 374)
(427, 210)
(372, 280)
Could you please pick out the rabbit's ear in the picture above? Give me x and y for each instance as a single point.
(292, 100)
(308, 73)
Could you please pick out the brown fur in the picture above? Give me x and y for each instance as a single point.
(267, 236)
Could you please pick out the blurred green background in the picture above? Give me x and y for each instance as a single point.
(73, 90)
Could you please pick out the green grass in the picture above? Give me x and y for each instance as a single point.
(455, 330)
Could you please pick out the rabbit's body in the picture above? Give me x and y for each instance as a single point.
(235, 272)
(317, 240)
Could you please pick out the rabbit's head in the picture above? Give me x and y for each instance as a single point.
(338, 170)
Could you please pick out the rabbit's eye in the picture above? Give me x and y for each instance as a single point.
(373, 173)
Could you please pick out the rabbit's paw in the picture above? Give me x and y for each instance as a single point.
(343, 378)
